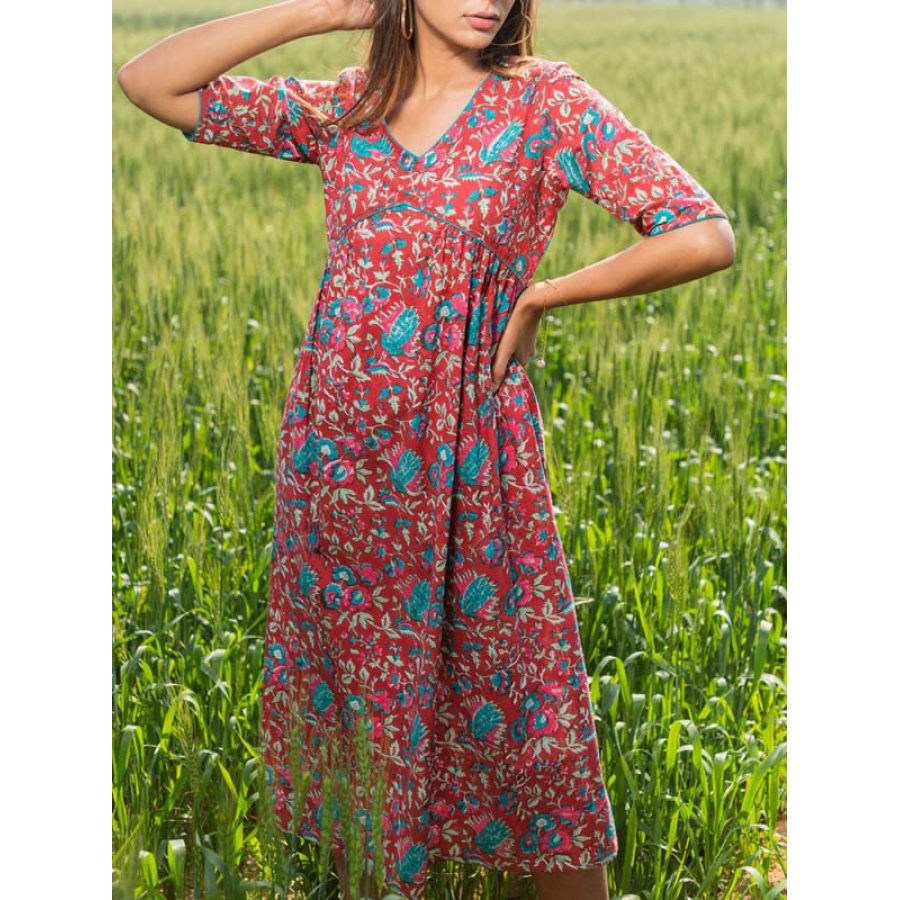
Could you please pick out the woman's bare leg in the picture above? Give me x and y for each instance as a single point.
(365, 890)
(572, 884)
(343, 876)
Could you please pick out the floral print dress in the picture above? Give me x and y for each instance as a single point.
(418, 583)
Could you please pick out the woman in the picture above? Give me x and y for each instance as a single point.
(418, 583)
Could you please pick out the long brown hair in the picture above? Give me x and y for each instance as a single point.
(390, 58)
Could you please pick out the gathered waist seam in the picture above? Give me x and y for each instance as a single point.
(403, 204)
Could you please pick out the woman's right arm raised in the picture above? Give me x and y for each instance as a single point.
(163, 80)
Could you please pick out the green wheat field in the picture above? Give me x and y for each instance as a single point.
(666, 437)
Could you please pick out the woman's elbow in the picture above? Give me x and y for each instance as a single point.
(137, 86)
(127, 82)
(720, 245)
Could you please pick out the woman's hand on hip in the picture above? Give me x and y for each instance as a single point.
(520, 334)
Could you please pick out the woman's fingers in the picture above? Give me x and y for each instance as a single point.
(519, 336)
(498, 370)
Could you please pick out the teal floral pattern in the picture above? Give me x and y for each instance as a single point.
(418, 582)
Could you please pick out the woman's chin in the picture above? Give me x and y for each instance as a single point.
(474, 41)
(468, 37)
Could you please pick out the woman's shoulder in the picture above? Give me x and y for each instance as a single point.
(333, 90)
(552, 70)
(352, 79)
(337, 93)
(537, 74)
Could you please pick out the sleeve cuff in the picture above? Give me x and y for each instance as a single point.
(672, 226)
(190, 135)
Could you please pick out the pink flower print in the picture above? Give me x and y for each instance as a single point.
(515, 428)
(369, 575)
(298, 439)
(524, 593)
(567, 815)
(357, 659)
(542, 721)
(451, 337)
(356, 597)
(508, 460)
(339, 472)
(529, 562)
(350, 444)
(338, 337)
(529, 842)
(554, 840)
(500, 681)
(441, 810)
(381, 700)
(552, 691)
(314, 465)
(459, 303)
(279, 673)
(332, 595)
(351, 310)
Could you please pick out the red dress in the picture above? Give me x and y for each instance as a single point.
(418, 579)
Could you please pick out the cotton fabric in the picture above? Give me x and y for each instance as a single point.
(417, 576)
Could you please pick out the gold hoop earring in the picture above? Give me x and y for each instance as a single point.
(403, 22)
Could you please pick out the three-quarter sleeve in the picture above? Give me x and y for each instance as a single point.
(277, 116)
(594, 150)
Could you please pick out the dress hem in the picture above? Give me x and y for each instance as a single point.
(434, 855)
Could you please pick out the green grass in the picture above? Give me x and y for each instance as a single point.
(666, 437)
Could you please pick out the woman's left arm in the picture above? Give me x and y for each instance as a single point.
(594, 150)
(649, 265)
(652, 264)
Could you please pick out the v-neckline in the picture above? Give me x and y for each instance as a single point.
(447, 130)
